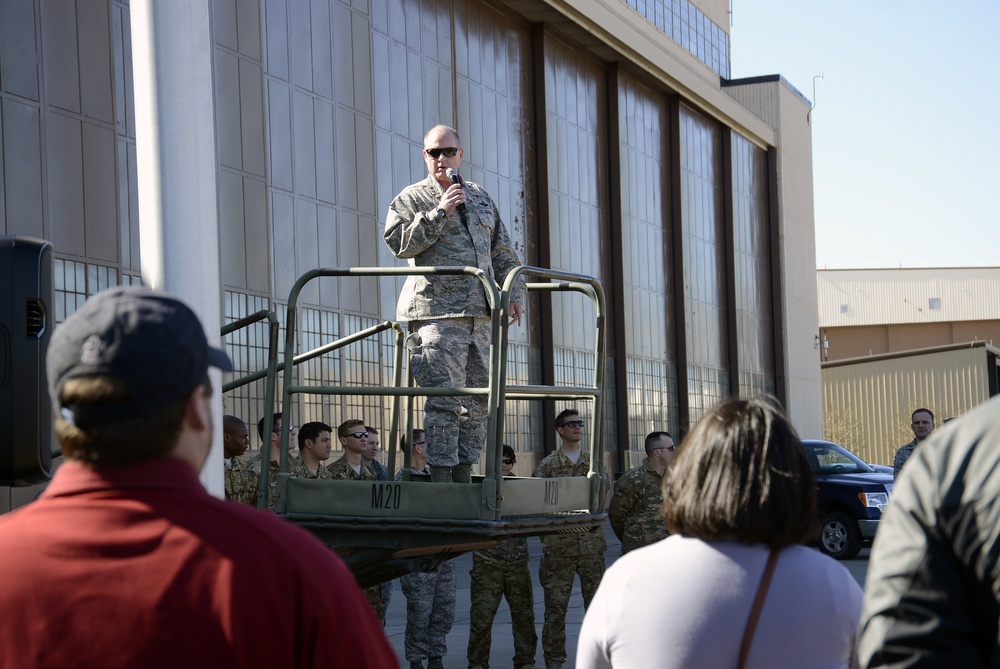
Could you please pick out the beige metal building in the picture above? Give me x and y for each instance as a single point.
(608, 131)
(893, 340)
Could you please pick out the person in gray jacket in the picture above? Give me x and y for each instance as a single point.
(932, 596)
(436, 223)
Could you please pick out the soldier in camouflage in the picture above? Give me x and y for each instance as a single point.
(239, 480)
(354, 440)
(566, 555)
(430, 613)
(314, 449)
(274, 454)
(636, 511)
(435, 223)
(350, 467)
(497, 572)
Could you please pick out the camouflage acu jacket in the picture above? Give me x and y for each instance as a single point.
(241, 481)
(416, 232)
(636, 511)
(272, 477)
(341, 470)
(301, 471)
(509, 551)
(577, 544)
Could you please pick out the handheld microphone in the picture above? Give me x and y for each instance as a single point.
(456, 178)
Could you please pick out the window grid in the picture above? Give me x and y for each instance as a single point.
(360, 366)
(523, 418)
(316, 328)
(74, 282)
(687, 25)
(248, 349)
(652, 400)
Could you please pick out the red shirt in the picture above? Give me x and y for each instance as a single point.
(138, 566)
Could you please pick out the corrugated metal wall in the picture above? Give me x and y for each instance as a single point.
(867, 404)
(878, 296)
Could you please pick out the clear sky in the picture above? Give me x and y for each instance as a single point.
(906, 128)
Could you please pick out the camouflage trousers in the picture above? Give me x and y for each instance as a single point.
(490, 583)
(452, 353)
(374, 597)
(556, 574)
(430, 612)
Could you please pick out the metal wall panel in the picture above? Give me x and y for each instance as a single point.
(925, 335)
(19, 71)
(99, 192)
(96, 98)
(867, 404)
(20, 129)
(60, 56)
(648, 308)
(704, 248)
(65, 184)
(752, 264)
(895, 296)
(576, 158)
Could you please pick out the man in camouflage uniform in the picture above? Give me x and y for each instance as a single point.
(636, 511)
(497, 572)
(239, 480)
(274, 455)
(435, 223)
(314, 449)
(350, 467)
(354, 440)
(566, 555)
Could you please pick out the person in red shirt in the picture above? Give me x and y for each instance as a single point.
(126, 560)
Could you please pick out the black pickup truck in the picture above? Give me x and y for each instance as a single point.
(851, 497)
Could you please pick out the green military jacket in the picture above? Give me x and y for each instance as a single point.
(241, 481)
(301, 471)
(580, 543)
(341, 470)
(636, 511)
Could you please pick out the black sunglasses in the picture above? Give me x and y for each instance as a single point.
(449, 152)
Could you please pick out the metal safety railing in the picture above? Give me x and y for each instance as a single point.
(380, 524)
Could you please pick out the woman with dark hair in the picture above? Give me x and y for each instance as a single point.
(734, 585)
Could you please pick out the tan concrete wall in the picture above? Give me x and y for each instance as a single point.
(798, 258)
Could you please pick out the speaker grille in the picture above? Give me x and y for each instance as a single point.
(35, 318)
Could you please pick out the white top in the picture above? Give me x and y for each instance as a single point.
(682, 602)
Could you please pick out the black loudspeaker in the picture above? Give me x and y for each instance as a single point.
(26, 322)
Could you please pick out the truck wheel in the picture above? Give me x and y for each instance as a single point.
(839, 536)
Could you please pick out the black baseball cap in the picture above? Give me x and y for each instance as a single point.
(150, 340)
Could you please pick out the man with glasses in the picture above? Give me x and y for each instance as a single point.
(498, 572)
(437, 223)
(636, 511)
(354, 440)
(351, 467)
(566, 555)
